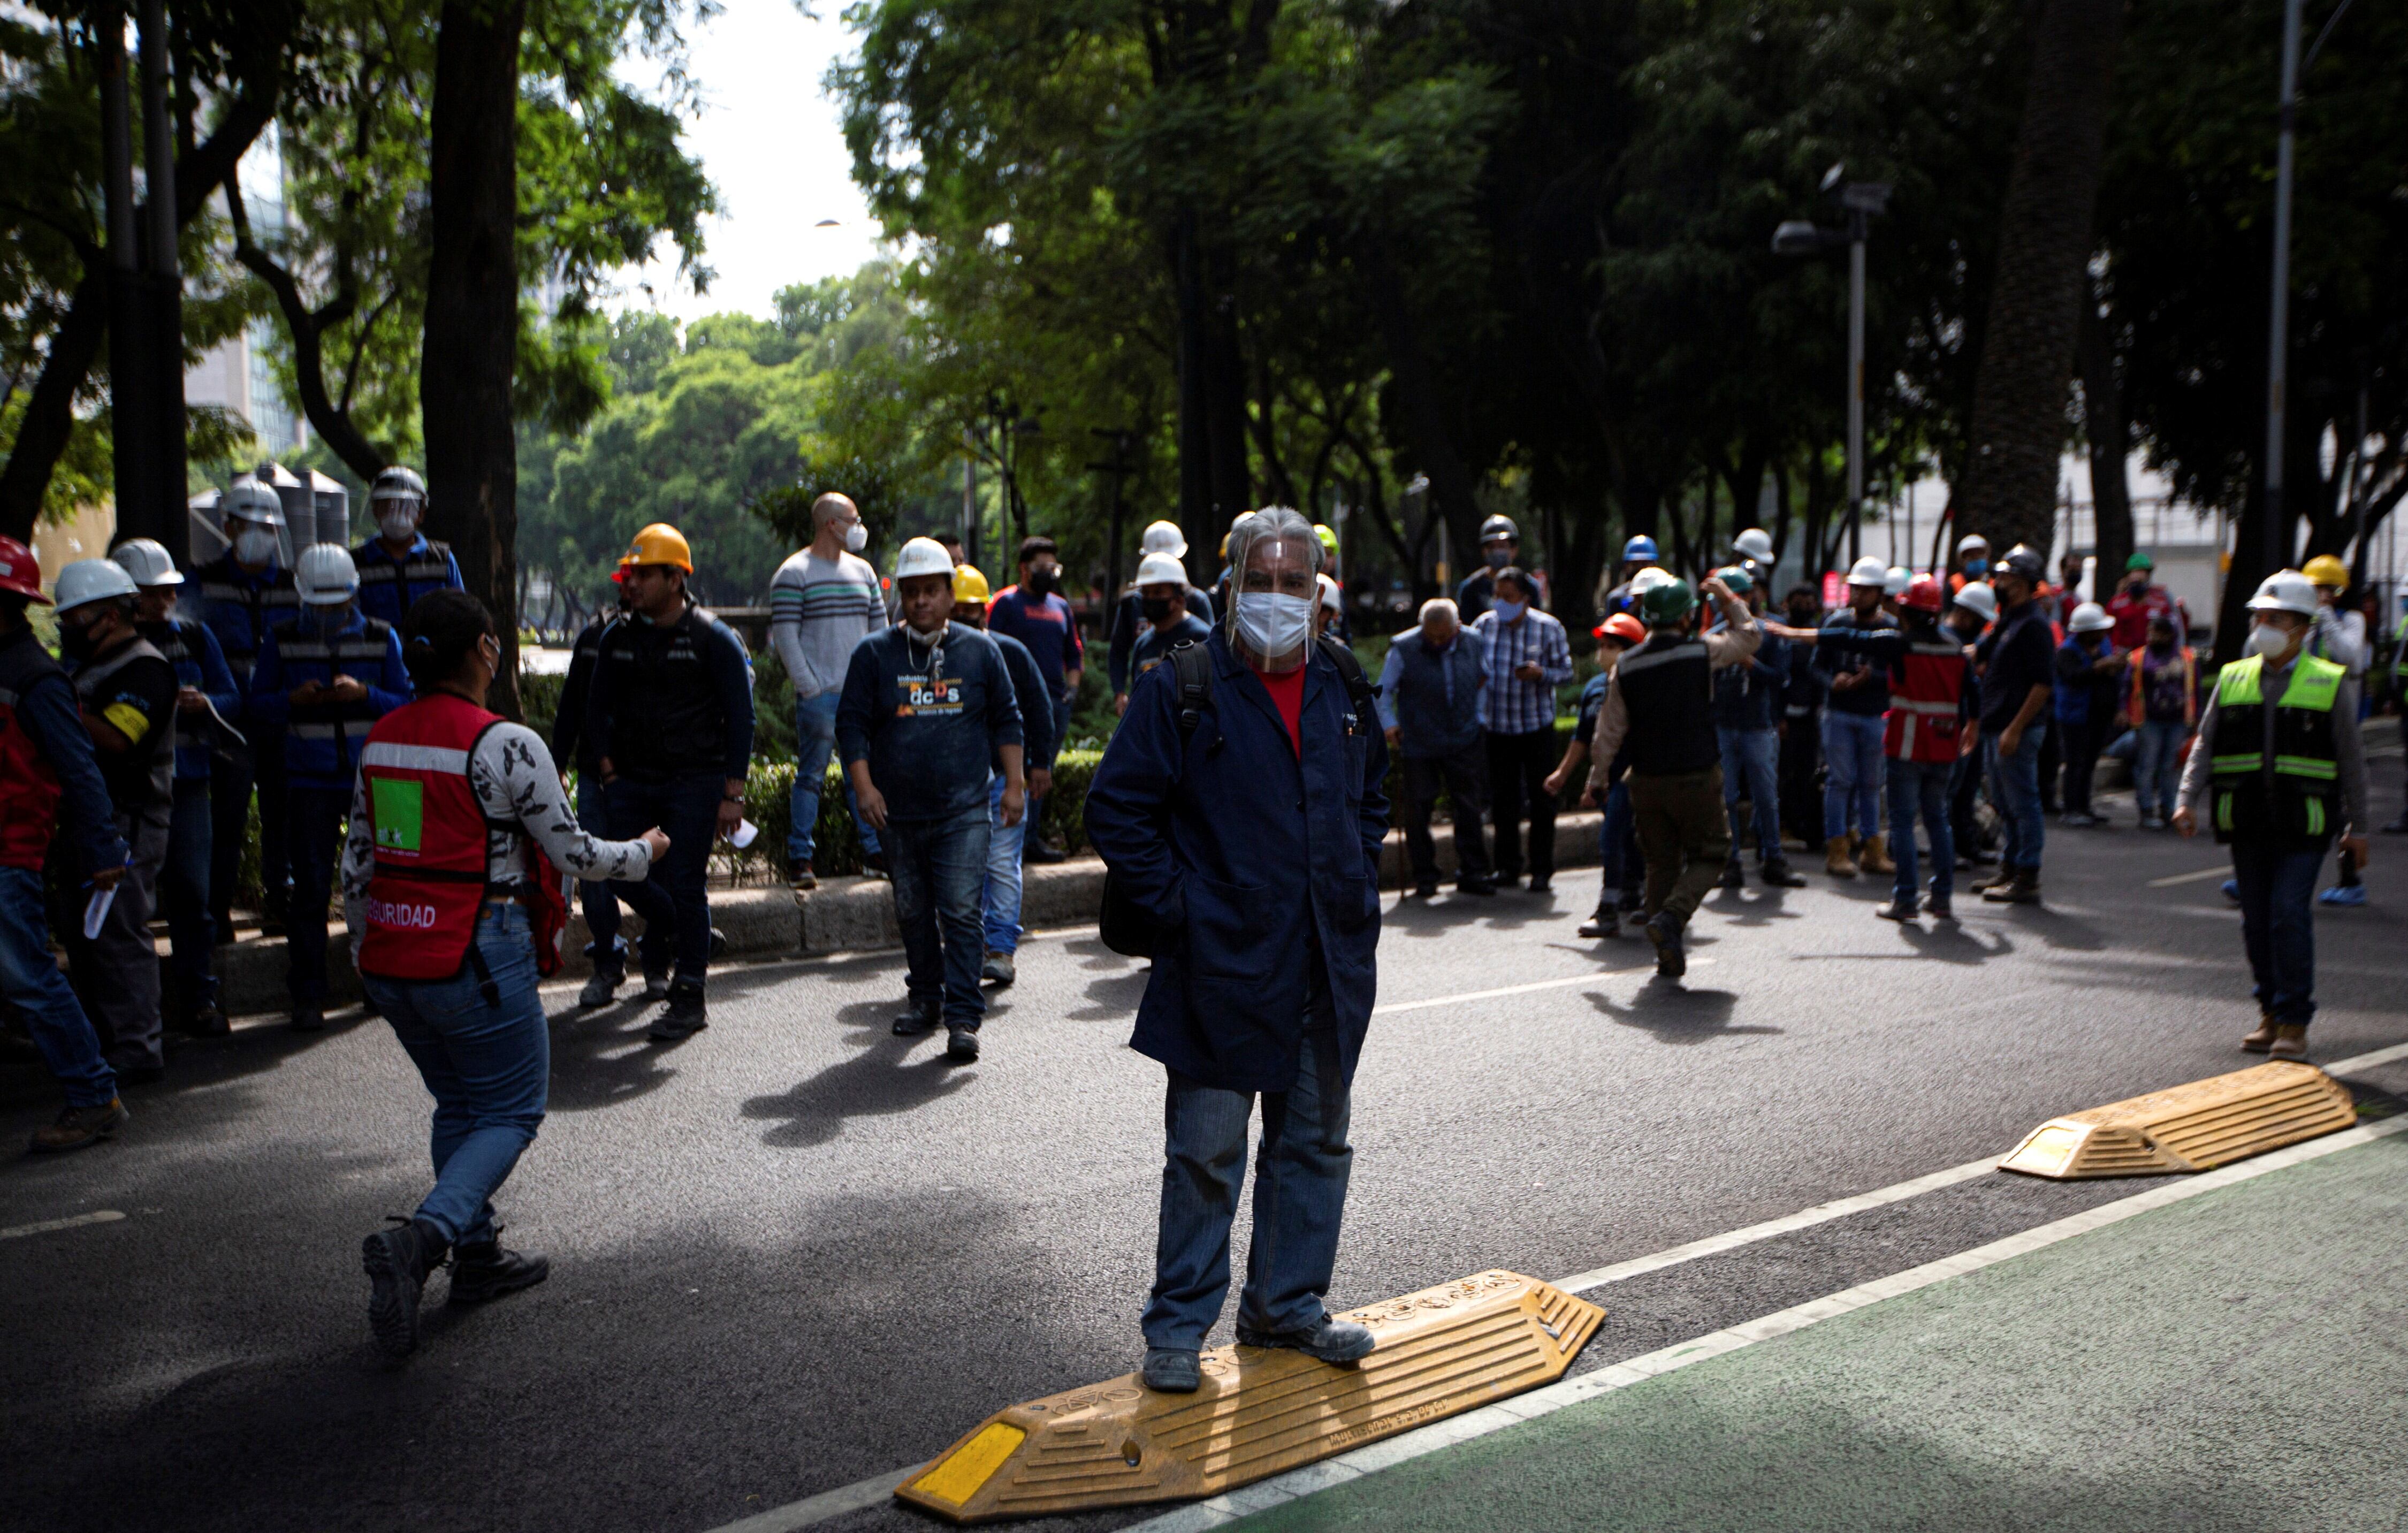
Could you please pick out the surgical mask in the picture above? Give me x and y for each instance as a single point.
(1498, 557)
(1154, 608)
(857, 537)
(2268, 641)
(256, 545)
(400, 523)
(1273, 625)
(1510, 611)
(1976, 568)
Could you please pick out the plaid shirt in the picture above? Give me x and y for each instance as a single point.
(1513, 706)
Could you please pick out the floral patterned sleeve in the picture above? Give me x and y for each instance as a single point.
(516, 783)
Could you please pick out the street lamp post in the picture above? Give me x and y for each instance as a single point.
(1863, 201)
(2278, 340)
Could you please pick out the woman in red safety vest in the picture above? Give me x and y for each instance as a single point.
(459, 820)
(1928, 723)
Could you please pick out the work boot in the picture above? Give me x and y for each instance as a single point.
(1605, 923)
(602, 985)
(1732, 878)
(684, 1016)
(1477, 886)
(1778, 874)
(397, 1261)
(1664, 930)
(486, 1271)
(657, 981)
(873, 864)
(1172, 1370)
(1333, 1340)
(918, 1020)
(2291, 1041)
(207, 1020)
(2263, 1039)
(962, 1045)
(1939, 908)
(79, 1127)
(1427, 889)
(1836, 860)
(1900, 909)
(2022, 889)
(997, 968)
(1042, 855)
(799, 874)
(307, 1019)
(1997, 878)
(1875, 858)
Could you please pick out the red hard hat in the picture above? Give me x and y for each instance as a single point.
(1922, 594)
(19, 571)
(1622, 626)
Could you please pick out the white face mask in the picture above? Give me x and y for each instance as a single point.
(857, 537)
(398, 520)
(2266, 639)
(1273, 625)
(256, 545)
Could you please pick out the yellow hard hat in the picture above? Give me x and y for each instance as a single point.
(969, 586)
(2324, 569)
(1328, 538)
(660, 544)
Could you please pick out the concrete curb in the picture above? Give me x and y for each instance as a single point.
(842, 914)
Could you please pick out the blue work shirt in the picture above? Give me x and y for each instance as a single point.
(930, 717)
(1046, 625)
(1154, 646)
(1748, 696)
(1254, 853)
(388, 585)
(193, 650)
(323, 740)
(238, 606)
(1040, 722)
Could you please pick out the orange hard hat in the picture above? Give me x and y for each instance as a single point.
(19, 571)
(660, 544)
(1622, 625)
(1922, 594)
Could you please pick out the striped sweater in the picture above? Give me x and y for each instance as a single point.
(818, 611)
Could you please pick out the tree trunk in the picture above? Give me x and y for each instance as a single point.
(2036, 295)
(2110, 438)
(306, 330)
(1450, 478)
(472, 296)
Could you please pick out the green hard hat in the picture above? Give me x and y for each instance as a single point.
(1667, 603)
(1739, 580)
(2139, 561)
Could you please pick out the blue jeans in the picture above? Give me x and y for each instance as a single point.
(1852, 756)
(594, 896)
(314, 834)
(2278, 927)
(184, 895)
(1921, 784)
(675, 901)
(2159, 768)
(937, 867)
(31, 980)
(1617, 845)
(1001, 899)
(2015, 788)
(1751, 771)
(815, 743)
(488, 1067)
(1300, 1198)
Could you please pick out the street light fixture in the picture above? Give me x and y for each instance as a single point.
(1863, 202)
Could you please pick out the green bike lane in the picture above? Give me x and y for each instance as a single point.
(2235, 1357)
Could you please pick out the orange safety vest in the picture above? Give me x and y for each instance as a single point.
(2136, 710)
(429, 833)
(1926, 688)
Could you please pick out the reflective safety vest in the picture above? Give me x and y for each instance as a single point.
(430, 837)
(29, 784)
(1926, 688)
(1666, 687)
(2136, 700)
(2294, 795)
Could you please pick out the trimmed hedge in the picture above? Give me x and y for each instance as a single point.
(837, 845)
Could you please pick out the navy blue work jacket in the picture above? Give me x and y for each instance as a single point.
(1244, 854)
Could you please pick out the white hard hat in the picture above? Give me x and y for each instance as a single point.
(1977, 597)
(89, 581)
(1499, 525)
(325, 575)
(398, 483)
(1755, 543)
(923, 556)
(1161, 568)
(1648, 580)
(254, 502)
(1870, 571)
(1329, 598)
(2089, 618)
(1895, 579)
(2284, 591)
(1163, 537)
(147, 562)
(1971, 540)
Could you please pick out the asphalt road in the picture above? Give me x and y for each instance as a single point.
(796, 1252)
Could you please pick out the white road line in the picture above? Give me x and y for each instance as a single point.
(2368, 1060)
(877, 1489)
(1591, 978)
(2190, 878)
(101, 1216)
(1222, 1510)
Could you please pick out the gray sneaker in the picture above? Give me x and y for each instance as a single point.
(1172, 1370)
(998, 969)
(1333, 1340)
(601, 988)
(657, 981)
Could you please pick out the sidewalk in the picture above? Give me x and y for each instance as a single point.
(2235, 1360)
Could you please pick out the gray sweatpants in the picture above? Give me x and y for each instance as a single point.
(116, 974)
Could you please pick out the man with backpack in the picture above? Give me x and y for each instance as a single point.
(1240, 810)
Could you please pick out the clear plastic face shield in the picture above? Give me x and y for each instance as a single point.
(1271, 610)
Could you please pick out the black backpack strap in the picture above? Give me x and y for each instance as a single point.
(1358, 686)
(1192, 665)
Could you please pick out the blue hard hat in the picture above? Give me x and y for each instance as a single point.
(1640, 546)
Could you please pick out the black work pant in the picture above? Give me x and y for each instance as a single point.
(315, 819)
(2052, 756)
(1686, 833)
(1463, 775)
(232, 778)
(2082, 744)
(675, 901)
(1518, 765)
(1801, 798)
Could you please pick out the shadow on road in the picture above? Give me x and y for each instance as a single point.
(1672, 1013)
(876, 1083)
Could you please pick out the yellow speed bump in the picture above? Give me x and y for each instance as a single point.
(1441, 1351)
(2189, 1129)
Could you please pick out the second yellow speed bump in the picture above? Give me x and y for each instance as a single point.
(1441, 1351)
(2190, 1128)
